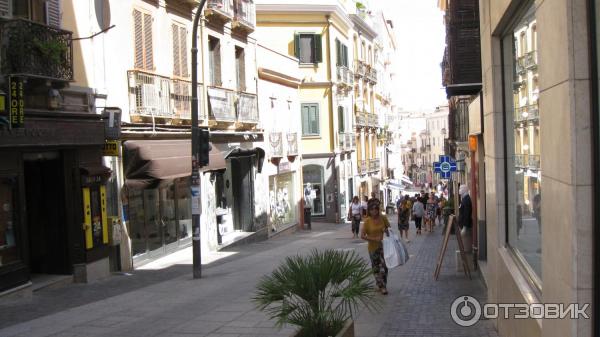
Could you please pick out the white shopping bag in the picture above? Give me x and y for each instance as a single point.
(390, 252)
(401, 249)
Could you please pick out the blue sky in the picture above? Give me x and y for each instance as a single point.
(420, 34)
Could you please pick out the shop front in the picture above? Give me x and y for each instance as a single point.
(282, 200)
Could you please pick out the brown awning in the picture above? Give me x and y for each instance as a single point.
(149, 160)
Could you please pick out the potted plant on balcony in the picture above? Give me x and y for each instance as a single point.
(318, 293)
(51, 50)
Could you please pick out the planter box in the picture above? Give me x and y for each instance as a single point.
(347, 330)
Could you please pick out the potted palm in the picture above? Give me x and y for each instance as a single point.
(318, 293)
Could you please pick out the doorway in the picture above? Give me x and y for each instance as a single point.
(243, 193)
(46, 214)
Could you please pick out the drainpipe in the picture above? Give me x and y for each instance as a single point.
(332, 142)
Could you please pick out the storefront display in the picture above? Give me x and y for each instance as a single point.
(8, 246)
(282, 201)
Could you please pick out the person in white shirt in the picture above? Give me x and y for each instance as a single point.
(355, 214)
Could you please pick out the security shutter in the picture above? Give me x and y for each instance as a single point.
(5, 8)
(53, 13)
(176, 56)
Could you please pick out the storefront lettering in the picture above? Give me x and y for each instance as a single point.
(27, 132)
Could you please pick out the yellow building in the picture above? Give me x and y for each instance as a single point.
(320, 36)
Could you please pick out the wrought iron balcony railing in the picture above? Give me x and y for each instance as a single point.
(372, 75)
(276, 144)
(35, 50)
(374, 165)
(220, 104)
(360, 69)
(527, 113)
(160, 96)
(244, 15)
(345, 77)
(292, 144)
(346, 141)
(362, 119)
(247, 107)
(221, 8)
(533, 161)
(520, 160)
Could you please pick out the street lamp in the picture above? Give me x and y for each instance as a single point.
(195, 183)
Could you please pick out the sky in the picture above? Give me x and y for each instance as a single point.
(420, 37)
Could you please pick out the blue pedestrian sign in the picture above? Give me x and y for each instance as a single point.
(444, 167)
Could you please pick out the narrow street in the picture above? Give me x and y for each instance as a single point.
(168, 302)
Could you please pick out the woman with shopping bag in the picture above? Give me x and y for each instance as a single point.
(374, 227)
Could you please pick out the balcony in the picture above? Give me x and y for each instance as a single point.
(346, 141)
(244, 16)
(362, 166)
(276, 144)
(526, 62)
(374, 165)
(533, 162)
(220, 104)
(360, 69)
(362, 119)
(246, 107)
(345, 77)
(292, 144)
(35, 50)
(160, 96)
(527, 113)
(220, 9)
(372, 75)
(373, 120)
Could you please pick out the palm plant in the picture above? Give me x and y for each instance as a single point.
(318, 292)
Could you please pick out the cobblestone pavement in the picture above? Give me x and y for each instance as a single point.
(168, 302)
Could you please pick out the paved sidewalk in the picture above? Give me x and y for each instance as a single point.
(168, 302)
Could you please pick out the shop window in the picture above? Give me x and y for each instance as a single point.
(282, 201)
(9, 252)
(313, 188)
(523, 148)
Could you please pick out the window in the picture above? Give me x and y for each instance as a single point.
(342, 53)
(310, 119)
(143, 56)
(180, 50)
(313, 188)
(214, 60)
(341, 126)
(240, 68)
(46, 12)
(523, 148)
(308, 47)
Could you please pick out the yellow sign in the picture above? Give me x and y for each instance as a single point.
(17, 102)
(473, 143)
(111, 148)
(2, 103)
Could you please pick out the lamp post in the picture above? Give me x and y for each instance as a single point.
(195, 183)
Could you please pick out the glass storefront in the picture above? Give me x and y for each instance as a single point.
(8, 221)
(282, 201)
(313, 188)
(523, 144)
(159, 218)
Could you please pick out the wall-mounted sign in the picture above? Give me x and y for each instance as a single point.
(17, 102)
(284, 167)
(111, 148)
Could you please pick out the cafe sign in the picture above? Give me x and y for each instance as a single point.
(17, 102)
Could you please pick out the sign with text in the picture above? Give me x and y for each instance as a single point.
(17, 102)
(111, 148)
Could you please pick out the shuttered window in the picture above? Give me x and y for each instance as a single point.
(214, 60)
(310, 119)
(341, 53)
(240, 68)
(308, 47)
(53, 13)
(5, 8)
(180, 60)
(143, 58)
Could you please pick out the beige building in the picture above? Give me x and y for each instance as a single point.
(539, 156)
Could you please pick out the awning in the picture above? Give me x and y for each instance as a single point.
(257, 151)
(394, 186)
(406, 180)
(149, 160)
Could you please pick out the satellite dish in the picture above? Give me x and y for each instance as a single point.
(102, 8)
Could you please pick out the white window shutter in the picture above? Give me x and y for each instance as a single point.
(53, 13)
(5, 8)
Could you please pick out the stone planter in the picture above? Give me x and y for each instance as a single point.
(347, 330)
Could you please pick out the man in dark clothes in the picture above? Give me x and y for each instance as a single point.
(465, 210)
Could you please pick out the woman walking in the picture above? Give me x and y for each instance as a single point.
(430, 213)
(355, 214)
(404, 208)
(372, 231)
(418, 211)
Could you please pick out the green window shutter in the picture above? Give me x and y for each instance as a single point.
(315, 120)
(318, 48)
(305, 115)
(338, 52)
(345, 55)
(297, 45)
